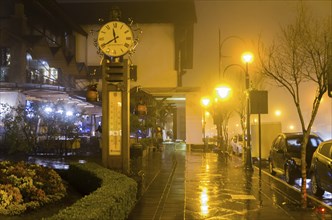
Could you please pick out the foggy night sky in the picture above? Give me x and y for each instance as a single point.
(248, 19)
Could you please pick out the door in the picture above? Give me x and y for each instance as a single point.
(323, 166)
(279, 153)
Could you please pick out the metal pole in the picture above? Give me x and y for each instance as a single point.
(204, 131)
(126, 120)
(248, 165)
(259, 144)
(105, 110)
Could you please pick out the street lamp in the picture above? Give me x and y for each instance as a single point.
(247, 58)
(205, 102)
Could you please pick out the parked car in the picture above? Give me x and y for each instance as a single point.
(237, 144)
(285, 154)
(321, 169)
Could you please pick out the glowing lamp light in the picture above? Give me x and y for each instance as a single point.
(223, 91)
(277, 112)
(48, 109)
(205, 101)
(247, 57)
(321, 210)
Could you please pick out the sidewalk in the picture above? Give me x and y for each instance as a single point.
(197, 185)
(163, 173)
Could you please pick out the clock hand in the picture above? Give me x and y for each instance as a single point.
(114, 39)
(114, 35)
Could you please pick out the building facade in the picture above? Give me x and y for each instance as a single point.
(48, 50)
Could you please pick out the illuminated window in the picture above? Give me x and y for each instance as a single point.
(4, 63)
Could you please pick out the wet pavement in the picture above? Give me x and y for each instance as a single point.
(198, 185)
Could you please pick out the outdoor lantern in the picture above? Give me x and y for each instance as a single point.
(141, 109)
(92, 94)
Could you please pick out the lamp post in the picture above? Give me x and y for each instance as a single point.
(221, 44)
(205, 102)
(247, 58)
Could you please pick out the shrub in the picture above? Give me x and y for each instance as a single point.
(26, 186)
(108, 194)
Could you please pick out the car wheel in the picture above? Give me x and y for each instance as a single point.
(288, 176)
(272, 172)
(315, 189)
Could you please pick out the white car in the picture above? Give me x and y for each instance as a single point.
(180, 145)
(237, 144)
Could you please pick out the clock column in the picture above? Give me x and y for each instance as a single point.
(115, 40)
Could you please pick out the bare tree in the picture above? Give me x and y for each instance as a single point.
(299, 57)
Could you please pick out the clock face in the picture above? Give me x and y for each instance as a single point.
(115, 38)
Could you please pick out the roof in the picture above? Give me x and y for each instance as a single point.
(297, 134)
(157, 11)
(49, 12)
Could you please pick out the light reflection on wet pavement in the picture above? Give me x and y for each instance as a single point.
(215, 189)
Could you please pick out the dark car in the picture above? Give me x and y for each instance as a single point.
(321, 169)
(285, 154)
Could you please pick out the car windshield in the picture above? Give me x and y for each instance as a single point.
(294, 143)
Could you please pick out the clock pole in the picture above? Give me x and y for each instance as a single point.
(115, 40)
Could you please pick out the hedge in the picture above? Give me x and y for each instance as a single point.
(108, 194)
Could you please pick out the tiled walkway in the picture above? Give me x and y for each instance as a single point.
(164, 196)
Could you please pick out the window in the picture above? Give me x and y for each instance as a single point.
(313, 142)
(294, 144)
(4, 63)
(39, 71)
(325, 150)
(276, 143)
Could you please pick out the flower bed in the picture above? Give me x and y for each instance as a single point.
(26, 186)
